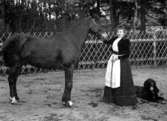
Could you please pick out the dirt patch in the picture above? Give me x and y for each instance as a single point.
(41, 98)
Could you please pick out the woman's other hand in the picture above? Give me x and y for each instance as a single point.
(115, 57)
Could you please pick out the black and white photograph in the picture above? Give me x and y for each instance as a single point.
(83, 60)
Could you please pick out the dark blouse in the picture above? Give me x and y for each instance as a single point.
(123, 47)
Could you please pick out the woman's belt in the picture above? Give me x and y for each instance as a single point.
(116, 53)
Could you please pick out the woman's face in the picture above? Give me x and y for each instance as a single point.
(121, 33)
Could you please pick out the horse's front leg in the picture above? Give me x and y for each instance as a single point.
(13, 73)
(66, 99)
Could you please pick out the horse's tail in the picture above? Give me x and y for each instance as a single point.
(11, 49)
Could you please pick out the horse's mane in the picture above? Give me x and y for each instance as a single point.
(77, 23)
(71, 22)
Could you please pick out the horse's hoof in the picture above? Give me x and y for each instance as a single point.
(68, 103)
(13, 100)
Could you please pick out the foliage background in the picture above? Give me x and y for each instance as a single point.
(46, 15)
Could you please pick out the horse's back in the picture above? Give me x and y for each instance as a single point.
(63, 46)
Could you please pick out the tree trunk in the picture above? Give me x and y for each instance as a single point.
(2, 16)
(136, 20)
(142, 15)
(139, 15)
(113, 15)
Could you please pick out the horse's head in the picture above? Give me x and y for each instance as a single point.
(96, 26)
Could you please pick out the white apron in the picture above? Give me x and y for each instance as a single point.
(112, 76)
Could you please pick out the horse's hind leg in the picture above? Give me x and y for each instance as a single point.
(66, 99)
(13, 74)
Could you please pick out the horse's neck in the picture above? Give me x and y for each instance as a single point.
(80, 31)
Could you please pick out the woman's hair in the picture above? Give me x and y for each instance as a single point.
(125, 28)
(122, 27)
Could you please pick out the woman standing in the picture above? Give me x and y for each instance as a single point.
(119, 87)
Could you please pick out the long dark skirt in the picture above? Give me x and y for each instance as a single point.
(125, 94)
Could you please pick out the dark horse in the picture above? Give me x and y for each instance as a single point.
(62, 50)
